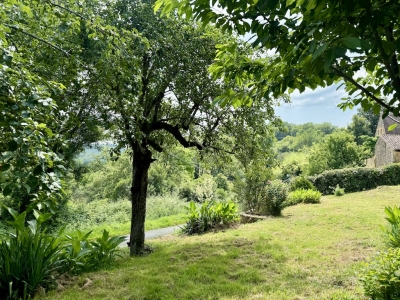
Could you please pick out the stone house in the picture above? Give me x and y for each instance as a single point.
(387, 148)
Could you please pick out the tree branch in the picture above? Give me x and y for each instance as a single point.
(39, 39)
(155, 146)
(174, 130)
(359, 86)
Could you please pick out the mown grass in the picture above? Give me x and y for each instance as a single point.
(311, 252)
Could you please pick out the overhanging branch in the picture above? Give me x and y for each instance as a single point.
(359, 86)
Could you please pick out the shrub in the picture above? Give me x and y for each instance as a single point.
(200, 190)
(28, 258)
(356, 179)
(303, 196)
(81, 255)
(250, 186)
(381, 277)
(338, 191)
(208, 215)
(392, 231)
(273, 198)
(300, 182)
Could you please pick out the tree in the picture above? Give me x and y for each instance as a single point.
(337, 151)
(372, 119)
(317, 43)
(46, 116)
(359, 127)
(30, 164)
(157, 93)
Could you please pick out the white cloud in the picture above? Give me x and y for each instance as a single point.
(327, 97)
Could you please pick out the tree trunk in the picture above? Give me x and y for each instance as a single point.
(140, 169)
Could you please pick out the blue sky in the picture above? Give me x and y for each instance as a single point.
(316, 106)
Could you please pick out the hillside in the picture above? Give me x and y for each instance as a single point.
(312, 252)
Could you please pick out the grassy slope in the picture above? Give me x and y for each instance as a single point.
(311, 252)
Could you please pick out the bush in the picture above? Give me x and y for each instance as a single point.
(208, 215)
(303, 196)
(200, 190)
(250, 186)
(81, 255)
(273, 199)
(356, 179)
(338, 191)
(28, 258)
(392, 231)
(381, 277)
(300, 182)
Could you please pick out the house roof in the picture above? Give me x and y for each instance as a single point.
(393, 140)
(390, 120)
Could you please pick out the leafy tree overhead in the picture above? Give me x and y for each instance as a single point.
(317, 42)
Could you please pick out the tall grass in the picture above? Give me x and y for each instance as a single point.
(115, 216)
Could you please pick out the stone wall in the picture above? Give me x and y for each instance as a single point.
(383, 153)
(396, 156)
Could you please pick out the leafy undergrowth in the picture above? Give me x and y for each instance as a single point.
(312, 252)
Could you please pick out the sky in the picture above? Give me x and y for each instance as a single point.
(317, 106)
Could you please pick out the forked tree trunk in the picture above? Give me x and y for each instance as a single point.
(140, 169)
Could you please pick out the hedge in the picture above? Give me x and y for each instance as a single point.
(356, 179)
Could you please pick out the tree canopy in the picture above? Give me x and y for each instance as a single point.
(317, 43)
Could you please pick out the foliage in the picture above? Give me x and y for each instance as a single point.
(291, 170)
(200, 190)
(28, 258)
(303, 196)
(101, 213)
(300, 182)
(208, 215)
(356, 179)
(82, 254)
(359, 127)
(295, 130)
(273, 198)
(338, 191)
(249, 186)
(392, 230)
(318, 43)
(380, 277)
(338, 150)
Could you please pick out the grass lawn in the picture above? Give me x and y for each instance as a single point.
(311, 252)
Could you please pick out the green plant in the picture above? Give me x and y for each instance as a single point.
(274, 196)
(392, 232)
(28, 258)
(303, 196)
(381, 276)
(82, 254)
(208, 215)
(300, 182)
(338, 191)
(356, 179)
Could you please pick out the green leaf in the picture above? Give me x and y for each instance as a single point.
(4, 167)
(12, 145)
(351, 42)
(319, 51)
(392, 127)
